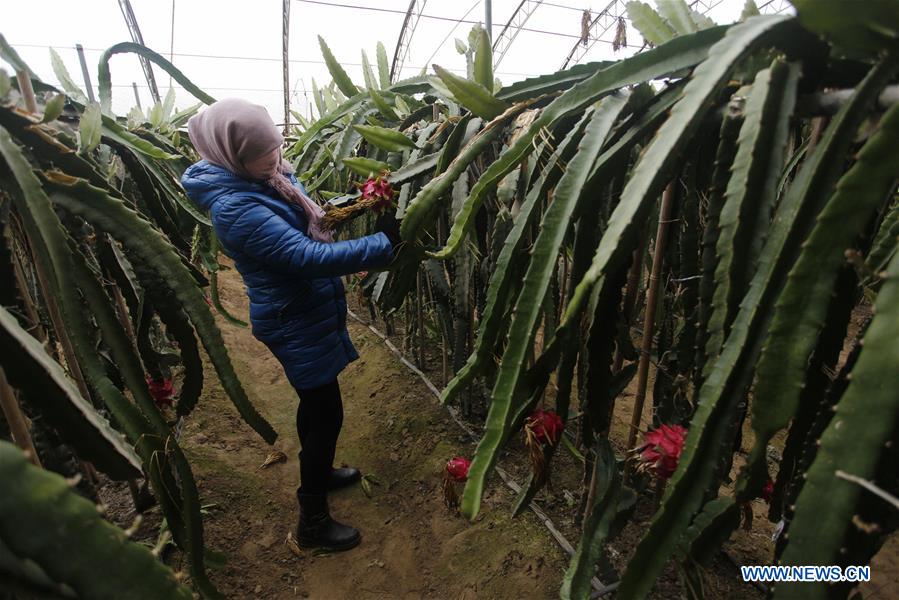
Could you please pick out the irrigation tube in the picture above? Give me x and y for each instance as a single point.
(600, 588)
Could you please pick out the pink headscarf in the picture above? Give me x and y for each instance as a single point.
(240, 136)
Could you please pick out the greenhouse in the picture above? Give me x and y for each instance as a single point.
(407, 299)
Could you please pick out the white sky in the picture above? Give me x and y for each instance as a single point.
(240, 41)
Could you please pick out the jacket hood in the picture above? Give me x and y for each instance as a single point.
(205, 182)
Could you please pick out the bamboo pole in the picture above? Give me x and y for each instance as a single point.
(35, 327)
(27, 91)
(652, 293)
(630, 296)
(18, 423)
(59, 327)
(419, 321)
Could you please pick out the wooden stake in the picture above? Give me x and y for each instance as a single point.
(652, 293)
(18, 423)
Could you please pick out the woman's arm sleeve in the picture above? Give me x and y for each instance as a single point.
(259, 233)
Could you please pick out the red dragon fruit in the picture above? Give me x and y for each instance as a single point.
(161, 391)
(546, 426)
(661, 450)
(768, 491)
(378, 191)
(542, 428)
(457, 468)
(456, 472)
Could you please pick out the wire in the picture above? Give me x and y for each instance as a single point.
(435, 17)
(227, 89)
(456, 26)
(574, 8)
(258, 58)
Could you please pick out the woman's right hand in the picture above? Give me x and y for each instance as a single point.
(389, 226)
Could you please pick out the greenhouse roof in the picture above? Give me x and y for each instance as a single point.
(234, 48)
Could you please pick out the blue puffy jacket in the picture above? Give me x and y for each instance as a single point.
(297, 301)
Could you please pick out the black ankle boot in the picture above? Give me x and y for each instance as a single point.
(318, 530)
(343, 477)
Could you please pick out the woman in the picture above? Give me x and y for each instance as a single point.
(291, 269)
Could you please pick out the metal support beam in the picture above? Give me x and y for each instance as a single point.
(704, 6)
(285, 62)
(85, 73)
(775, 7)
(136, 37)
(413, 16)
(488, 18)
(506, 37)
(136, 95)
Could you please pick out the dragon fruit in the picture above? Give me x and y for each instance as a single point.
(456, 471)
(161, 390)
(661, 450)
(378, 193)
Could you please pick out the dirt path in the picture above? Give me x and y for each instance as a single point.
(412, 547)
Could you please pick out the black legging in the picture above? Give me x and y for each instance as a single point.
(319, 418)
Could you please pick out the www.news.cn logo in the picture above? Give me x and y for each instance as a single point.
(805, 573)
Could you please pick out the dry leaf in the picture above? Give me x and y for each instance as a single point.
(293, 546)
(276, 456)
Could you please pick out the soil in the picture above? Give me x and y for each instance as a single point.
(394, 430)
(413, 546)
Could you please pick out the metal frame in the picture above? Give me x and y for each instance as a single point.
(602, 23)
(136, 37)
(410, 23)
(512, 28)
(607, 19)
(774, 7)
